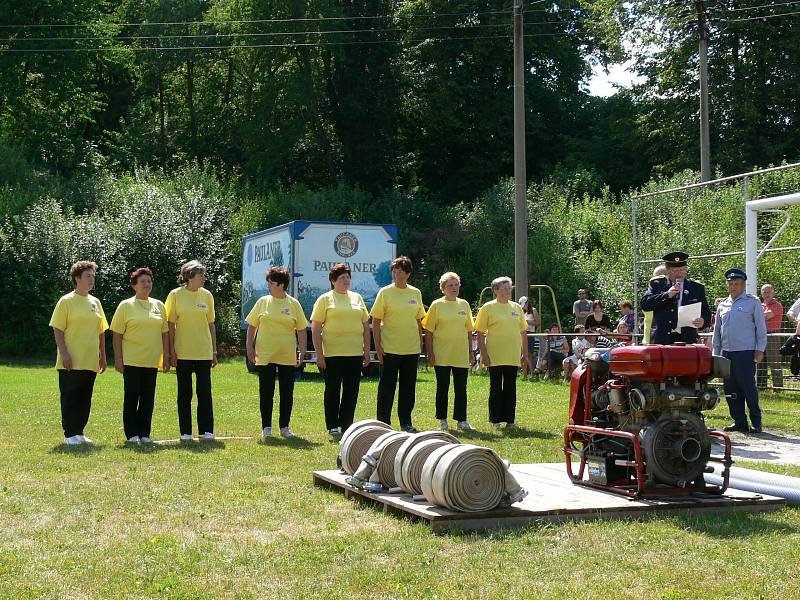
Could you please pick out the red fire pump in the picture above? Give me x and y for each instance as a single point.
(636, 422)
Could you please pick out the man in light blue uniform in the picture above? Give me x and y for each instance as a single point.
(740, 334)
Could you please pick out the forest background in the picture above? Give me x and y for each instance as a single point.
(150, 132)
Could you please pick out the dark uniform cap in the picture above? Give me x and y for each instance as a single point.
(735, 274)
(675, 259)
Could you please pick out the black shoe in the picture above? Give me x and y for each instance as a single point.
(735, 427)
(409, 428)
(755, 430)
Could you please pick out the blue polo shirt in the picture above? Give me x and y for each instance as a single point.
(740, 325)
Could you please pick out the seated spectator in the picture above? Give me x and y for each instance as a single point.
(596, 340)
(579, 345)
(598, 319)
(556, 350)
(621, 333)
(626, 306)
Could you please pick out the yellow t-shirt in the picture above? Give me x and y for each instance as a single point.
(277, 321)
(502, 324)
(399, 310)
(343, 316)
(448, 322)
(82, 320)
(192, 312)
(141, 324)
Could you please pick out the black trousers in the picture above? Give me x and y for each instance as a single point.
(76, 399)
(502, 394)
(139, 384)
(404, 368)
(342, 379)
(205, 409)
(459, 391)
(266, 392)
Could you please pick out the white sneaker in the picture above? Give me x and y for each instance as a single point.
(334, 431)
(443, 425)
(207, 436)
(267, 432)
(510, 426)
(85, 440)
(496, 426)
(464, 426)
(286, 432)
(73, 440)
(134, 439)
(145, 440)
(187, 437)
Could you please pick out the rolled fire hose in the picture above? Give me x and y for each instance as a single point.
(414, 460)
(357, 440)
(468, 478)
(407, 447)
(368, 470)
(759, 482)
(385, 470)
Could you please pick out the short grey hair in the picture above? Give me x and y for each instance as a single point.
(447, 277)
(498, 281)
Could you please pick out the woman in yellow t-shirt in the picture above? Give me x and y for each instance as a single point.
(448, 333)
(193, 348)
(503, 346)
(276, 343)
(141, 346)
(79, 326)
(340, 333)
(396, 326)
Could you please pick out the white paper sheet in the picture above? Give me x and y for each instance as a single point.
(686, 314)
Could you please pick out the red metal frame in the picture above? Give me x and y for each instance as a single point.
(584, 434)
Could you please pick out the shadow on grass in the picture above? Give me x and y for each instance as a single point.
(296, 442)
(79, 450)
(524, 432)
(194, 447)
(735, 526)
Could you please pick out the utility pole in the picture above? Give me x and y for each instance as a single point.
(520, 178)
(705, 136)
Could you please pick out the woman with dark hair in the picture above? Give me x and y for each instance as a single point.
(276, 344)
(626, 308)
(141, 346)
(598, 319)
(193, 345)
(79, 326)
(502, 338)
(397, 328)
(340, 332)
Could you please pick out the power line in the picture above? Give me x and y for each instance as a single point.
(260, 21)
(760, 17)
(262, 34)
(255, 46)
(750, 8)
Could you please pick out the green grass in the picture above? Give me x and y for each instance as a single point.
(241, 519)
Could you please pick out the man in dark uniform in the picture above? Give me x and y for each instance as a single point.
(666, 293)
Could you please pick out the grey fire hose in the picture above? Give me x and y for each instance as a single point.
(357, 440)
(385, 470)
(469, 478)
(407, 475)
(760, 482)
(379, 453)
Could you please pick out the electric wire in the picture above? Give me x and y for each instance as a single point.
(284, 45)
(263, 34)
(261, 21)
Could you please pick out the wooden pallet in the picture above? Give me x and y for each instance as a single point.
(553, 498)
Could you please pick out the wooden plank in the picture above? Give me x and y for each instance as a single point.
(553, 498)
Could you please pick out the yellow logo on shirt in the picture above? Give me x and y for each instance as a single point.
(203, 306)
(514, 313)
